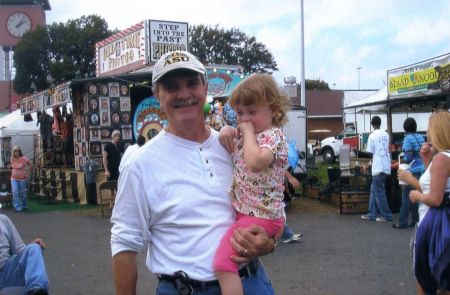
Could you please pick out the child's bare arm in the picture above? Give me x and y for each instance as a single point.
(226, 136)
(256, 158)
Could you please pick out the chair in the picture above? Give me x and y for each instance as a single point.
(111, 188)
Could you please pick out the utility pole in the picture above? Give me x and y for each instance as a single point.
(359, 81)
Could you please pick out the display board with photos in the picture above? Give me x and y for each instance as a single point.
(104, 107)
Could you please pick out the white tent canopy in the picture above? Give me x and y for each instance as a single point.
(15, 131)
(13, 124)
(373, 102)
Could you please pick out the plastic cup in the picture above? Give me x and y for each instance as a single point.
(403, 167)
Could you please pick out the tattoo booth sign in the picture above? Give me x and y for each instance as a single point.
(122, 52)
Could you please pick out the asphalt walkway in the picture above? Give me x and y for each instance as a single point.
(340, 254)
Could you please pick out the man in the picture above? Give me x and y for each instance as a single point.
(130, 150)
(378, 145)
(173, 195)
(112, 153)
(20, 264)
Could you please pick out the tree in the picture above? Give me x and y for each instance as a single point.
(66, 51)
(214, 45)
(31, 58)
(316, 84)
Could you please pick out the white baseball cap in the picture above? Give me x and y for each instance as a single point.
(176, 60)
(114, 133)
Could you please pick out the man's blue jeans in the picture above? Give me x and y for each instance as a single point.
(256, 284)
(25, 269)
(407, 205)
(378, 204)
(18, 187)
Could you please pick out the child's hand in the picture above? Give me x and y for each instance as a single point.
(245, 128)
(226, 137)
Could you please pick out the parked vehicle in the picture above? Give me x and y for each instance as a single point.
(330, 146)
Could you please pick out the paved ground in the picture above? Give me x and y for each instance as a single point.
(340, 254)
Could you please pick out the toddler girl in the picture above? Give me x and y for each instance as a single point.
(260, 157)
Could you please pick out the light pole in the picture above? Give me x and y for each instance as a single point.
(359, 82)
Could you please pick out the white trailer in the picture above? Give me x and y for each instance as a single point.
(296, 127)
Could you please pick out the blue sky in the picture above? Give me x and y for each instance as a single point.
(340, 35)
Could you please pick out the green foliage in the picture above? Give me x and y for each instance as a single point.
(316, 84)
(214, 45)
(31, 59)
(66, 51)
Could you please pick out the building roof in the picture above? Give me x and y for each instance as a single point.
(44, 3)
(322, 103)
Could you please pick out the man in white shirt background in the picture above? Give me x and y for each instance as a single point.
(378, 146)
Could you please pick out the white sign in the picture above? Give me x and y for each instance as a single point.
(167, 36)
(122, 49)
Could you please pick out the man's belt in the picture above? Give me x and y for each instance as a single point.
(180, 276)
(446, 201)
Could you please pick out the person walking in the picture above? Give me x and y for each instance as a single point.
(378, 146)
(19, 178)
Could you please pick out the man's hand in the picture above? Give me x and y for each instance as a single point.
(107, 174)
(40, 242)
(249, 243)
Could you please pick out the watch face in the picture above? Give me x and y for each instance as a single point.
(18, 24)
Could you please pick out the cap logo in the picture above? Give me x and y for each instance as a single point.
(176, 57)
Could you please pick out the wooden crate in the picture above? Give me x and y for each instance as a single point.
(313, 192)
(354, 202)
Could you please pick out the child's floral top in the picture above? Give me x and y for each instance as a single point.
(260, 194)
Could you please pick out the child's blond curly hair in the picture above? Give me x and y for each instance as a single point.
(261, 89)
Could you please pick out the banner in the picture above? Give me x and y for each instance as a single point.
(167, 36)
(122, 52)
(149, 119)
(424, 78)
(221, 81)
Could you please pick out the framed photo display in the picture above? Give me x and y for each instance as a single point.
(94, 134)
(125, 105)
(114, 90)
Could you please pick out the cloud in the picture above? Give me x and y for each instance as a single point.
(339, 35)
(420, 31)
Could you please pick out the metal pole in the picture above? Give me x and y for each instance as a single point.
(359, 84)
(302, 57)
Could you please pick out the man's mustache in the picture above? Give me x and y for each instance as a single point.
(179, 103)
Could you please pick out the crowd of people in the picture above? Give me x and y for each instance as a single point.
(165, 185)
(425, 195)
